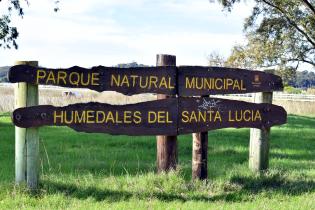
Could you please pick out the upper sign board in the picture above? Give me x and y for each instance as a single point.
(128, 81)
(182, 81)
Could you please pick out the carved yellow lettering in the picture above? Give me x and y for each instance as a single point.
(163, 83)
(190, 83)
(110, 117)
(115, 80)
(217, 116)
(95, 79)
(66, 115)
(137, 117)
(152, 117)
(133, 77)
(127, 117)
(236, 85)
(90, 116)
(56, 116)
(153, 81)
(78, 118)
(257, 115)
(40, 74)
(229, 82)
(185, 117)
(125, 81)
(117, 117)
(61, 76)
(74, 78)
(247, 115)
(51, 77)
(242, 85)
(170, 83)
(100, 117)
(217, 87)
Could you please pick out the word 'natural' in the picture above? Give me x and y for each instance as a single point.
(145, 82)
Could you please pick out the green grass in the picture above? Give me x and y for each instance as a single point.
(96, 171)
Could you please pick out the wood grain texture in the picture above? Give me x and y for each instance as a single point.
(128, 81)
(259, 139)
(170, 116)
(26, 146)
(200, 155)
(166, 146)
(199, 81)
(164, 79)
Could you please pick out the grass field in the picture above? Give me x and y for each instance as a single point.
(95, 171)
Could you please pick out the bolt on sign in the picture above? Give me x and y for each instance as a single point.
(171, 116)
(181, 81)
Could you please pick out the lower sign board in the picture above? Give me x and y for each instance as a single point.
(170, 116)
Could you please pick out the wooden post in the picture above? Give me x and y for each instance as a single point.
(166, 145)
(200, 156)
(26, 139)
(259, 139)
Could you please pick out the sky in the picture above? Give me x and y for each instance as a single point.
(107, 32)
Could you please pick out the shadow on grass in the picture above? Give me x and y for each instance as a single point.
(247, 186)
(275, 183)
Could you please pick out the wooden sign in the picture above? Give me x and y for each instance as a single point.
(204, 114)
(128, 81)
(147, 118)
(161, 117)
(183, 81)
(199, 81)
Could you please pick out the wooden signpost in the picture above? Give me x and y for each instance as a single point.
(172, 116)
(167, 117)
(199, 81)
(128, 81)
(147, 118)
(168, 80)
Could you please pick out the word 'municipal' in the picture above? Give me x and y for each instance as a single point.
(144, 82)
(210, 83)
(65, 78)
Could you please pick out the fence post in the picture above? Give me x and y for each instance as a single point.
(26, 139)
(259, 139)
(166, 145)
(200, 155)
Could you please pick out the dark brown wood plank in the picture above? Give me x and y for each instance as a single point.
(161, 117)
(148, 118)
(128, 81)
(204, 114)
(198, 80)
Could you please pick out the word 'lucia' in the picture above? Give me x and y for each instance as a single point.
(144, 82)
(217, 116)
(211, 83)
(64, 78)
(109, 117)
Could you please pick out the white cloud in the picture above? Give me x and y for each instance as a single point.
(77, 36)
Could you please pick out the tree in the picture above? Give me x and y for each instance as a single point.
(8, 32)
(215, 59)
(279, 33)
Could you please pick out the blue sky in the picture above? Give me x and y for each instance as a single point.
(107, 32)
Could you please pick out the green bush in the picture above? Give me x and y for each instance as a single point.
(292, 90)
